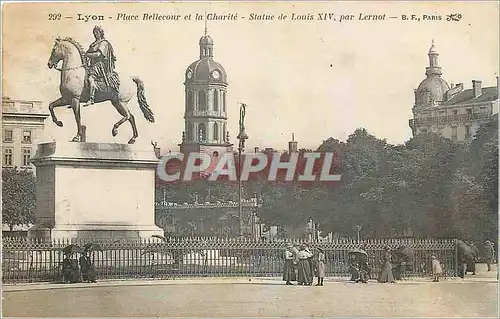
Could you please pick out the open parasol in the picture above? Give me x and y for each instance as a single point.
(404, 253)
(464, 249)
(358, 251)
(92, 247)
(72, 249)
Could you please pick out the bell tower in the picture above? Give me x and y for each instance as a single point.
(205, 115)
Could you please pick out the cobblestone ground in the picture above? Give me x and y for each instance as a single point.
(476, 296)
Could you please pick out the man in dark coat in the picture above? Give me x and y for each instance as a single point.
(471, 265)
(489, 253)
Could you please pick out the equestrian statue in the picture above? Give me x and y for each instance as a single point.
(90, 77)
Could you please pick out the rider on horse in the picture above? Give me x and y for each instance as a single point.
(101, 60)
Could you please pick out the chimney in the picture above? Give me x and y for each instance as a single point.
(256, 149)
(292, 145)
(476, 86)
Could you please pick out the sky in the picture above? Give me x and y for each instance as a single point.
(316, 79)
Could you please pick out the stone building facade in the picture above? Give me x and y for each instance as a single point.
(22, 126)
(451, 111)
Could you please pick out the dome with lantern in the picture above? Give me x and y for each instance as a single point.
(206, 69)
(432, 89)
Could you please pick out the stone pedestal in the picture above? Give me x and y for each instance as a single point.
(94, 190)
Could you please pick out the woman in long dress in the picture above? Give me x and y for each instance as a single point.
(289, 269)
(305, 276)
(386, 273)
(320, 268)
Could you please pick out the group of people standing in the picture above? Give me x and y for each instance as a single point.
(469, 255)
(302, 264)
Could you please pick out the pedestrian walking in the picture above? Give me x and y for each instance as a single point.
(489, 254)
(289, 269)
(471, 264)
(305, 276)
(385, 275)
(320, 268)
(437, 270)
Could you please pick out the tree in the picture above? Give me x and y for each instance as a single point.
(18, 197)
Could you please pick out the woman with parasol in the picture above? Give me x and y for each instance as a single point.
(86, 265)
(70, 270)
(401, 257)
(358, 262)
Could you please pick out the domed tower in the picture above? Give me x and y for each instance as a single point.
(205, 104)
(431, 91)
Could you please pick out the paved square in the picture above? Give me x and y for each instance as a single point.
(260, 297)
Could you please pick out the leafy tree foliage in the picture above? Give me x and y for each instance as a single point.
(430, 185)
(18, 197)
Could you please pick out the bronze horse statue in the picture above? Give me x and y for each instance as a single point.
(74, 89)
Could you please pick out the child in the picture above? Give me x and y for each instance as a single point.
(320, 262)
(436, 268)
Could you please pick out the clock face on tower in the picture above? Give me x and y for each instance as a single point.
(189, 74)
(216, 74)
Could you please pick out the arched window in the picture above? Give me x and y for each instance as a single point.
(202, 131)
(224, 102)
(190, 100)
(216, 100)
(224, 133)
(216, 132)
(202, 100)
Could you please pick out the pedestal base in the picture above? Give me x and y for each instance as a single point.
(87, 232)
(94, 191)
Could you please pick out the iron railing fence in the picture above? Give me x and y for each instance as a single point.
(25, 260)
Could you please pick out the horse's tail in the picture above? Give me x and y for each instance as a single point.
(141, 99)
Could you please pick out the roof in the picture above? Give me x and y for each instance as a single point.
(435, 85)
(203, 69)
(490, 94)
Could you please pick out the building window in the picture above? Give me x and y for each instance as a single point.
(216, 100)
(7, 135)
(224, 133)
(7, 157)
(202, 132)
(190, 131)
(202, 100)
(454, 133)
(26, 156)
(216, 132)
(190, 101)
(26, 137)
(469, 111)
(467, 132)
(224, 102)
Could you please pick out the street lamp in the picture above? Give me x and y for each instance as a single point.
(242, 136)
(358, 229)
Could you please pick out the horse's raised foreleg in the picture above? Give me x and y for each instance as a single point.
(123, 110)
(57, 103)
(75, 105)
